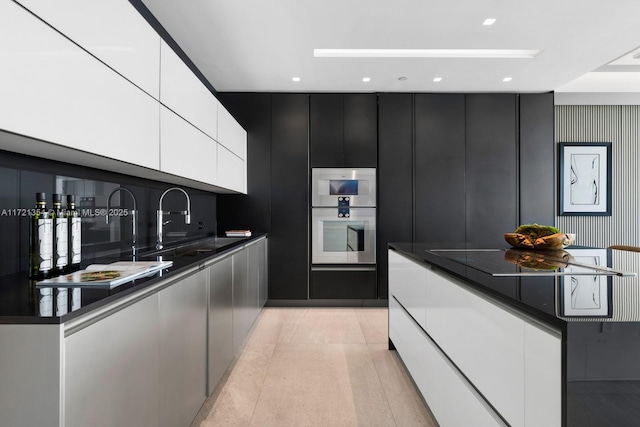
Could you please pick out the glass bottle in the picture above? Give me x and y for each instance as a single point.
(41, 239)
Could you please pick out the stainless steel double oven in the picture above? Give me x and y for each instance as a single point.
(343, 215)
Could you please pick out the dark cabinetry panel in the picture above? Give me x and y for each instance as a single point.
(343, 130)
(491, 168)
(289, 235)
(395, 178)
(343, 284)
(440, 168)
(537, 165)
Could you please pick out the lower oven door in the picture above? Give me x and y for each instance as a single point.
(343, 235)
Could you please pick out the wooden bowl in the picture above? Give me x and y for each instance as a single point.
(552, 242)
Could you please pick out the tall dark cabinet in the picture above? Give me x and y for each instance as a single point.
(343, 130)
(289, 234)
(440, 168)
(395, 178)
(491, 168)
(537, 159)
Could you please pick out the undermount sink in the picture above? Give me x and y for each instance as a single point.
(194, 248)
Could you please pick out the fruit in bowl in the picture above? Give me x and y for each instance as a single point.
(534, 236)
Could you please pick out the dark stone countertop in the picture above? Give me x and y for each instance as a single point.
(22, 303)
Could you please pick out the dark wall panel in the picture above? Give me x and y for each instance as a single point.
(440, 168)
(491, 168)
(253, 210)
(537, 165)
(360, 130)
(395, 178)
(289, 234)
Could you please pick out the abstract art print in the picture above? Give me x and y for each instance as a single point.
(585, 178)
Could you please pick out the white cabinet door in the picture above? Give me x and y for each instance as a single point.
(184, 93)
(186, 151)
(543, 376)
(111, 369)
(182, 309)
(485, 341)
(111, 30)
(452, 400)
(232, 171)
(54, 91)
(408, 284)
(231, 134)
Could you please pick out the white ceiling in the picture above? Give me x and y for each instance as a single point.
(257, 45)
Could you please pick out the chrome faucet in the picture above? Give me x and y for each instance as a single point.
(134, 222)
(160, 213)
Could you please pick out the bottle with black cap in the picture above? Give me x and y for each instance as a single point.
(74, 234)
(60, 236)
(41, 239)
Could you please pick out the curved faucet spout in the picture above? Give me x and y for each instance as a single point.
(134, 222)
(160, 213)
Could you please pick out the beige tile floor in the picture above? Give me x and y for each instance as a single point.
(316, 367)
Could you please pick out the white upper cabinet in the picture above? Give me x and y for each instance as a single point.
(185, 94)
(232, 171)
(231, 134)
(111, 30)
(54, 91)
(185, 150)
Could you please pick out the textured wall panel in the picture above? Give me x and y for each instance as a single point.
(618, 124)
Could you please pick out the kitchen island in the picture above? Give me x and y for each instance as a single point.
(147, 352)
(492, 342)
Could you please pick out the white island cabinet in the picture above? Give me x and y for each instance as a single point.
(113, 31)
(471, 351)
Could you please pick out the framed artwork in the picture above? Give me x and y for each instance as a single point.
(585, 178)
(585, 294)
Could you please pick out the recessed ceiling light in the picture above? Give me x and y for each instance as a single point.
(366, 79)
(426, 53)
(506, 79)
(296, 79)
(437, 79)
(489, 21)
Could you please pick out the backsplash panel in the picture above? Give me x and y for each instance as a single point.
(22, 176)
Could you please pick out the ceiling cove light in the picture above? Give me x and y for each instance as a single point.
(489, 21)
(366, 79)
(296, 79)
(426, 53)
(507, 79)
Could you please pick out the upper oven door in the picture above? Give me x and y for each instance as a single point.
(356, 186)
